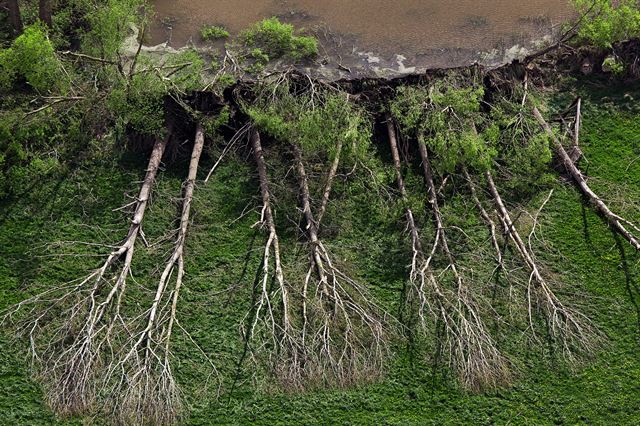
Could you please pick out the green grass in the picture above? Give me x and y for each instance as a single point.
(222, 258)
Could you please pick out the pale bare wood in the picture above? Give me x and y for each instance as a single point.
(615, 221)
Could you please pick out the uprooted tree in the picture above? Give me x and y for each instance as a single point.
(439, 120)
(104, 341)
(454, 138)
(332, 331)
(91, 348)
(627, 229)
(107, 341)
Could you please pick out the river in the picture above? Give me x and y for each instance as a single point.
(400, 34)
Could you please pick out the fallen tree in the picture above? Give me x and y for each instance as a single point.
(342, 335)
(617, 222)
(420, 274)
(268, 326)
(571, 329)
(324, 329)
(73, 347)
(337, 336)
(486, 217)
(472, 351)
(441, 115)
(141, 378)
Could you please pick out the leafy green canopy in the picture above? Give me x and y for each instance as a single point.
(605, 22)
(32, 59)
(446, 118)
(138, 101)
(108, 25)
(316, 121)
(523, 148)
(79, 99)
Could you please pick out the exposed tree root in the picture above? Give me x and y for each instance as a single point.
(421, 273)
(343, 337)
(141, 379)
(487, 220)
(471, 350)
(273, 329)
(72, 345)
(618, 223)
(570, 328)
(326, 194)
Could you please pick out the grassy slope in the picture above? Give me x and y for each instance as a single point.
(606, 390)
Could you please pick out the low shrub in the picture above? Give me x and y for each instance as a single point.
(277, 39)
(32, 58)
(213, 32)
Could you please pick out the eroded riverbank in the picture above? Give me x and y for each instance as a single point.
(377, 37)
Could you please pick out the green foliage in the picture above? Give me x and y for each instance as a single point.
(608, 21)
(185, 71)
(138, 101)
(58, 204)
(32, 58)
(524, 149)
(213, 32)
(217, 293)
(613, 65)
(277, 39)
(70, 21)
(446, 118)
(314, 121)
(138, 106)
(109, 22)
(260, 60)
(222, 82)
(31, 148)
(213, 124)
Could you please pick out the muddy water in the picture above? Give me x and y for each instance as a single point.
(424, 32)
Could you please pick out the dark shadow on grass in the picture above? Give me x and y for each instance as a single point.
(633, 289)
(246, 347)
(585, 224)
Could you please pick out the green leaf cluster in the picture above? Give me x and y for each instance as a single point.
(524, 149)
(605, 22)
(277, 39)
(613, 65)
(109, 22)
(32, 59)
(446, 117)
(213, 32)
(137, 101)
(314, 120)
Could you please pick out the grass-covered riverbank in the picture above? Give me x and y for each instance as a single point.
(77, 206)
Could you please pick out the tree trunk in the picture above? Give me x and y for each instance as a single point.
(148, 359)
(272, 246)
(15, 17)
(44, 12)
(413, 228)
(512, 232)
(570, 328)
(328, 185)
(473, 352)
(343, 338)
(311, 228)
(615, 221)
(487, 219)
